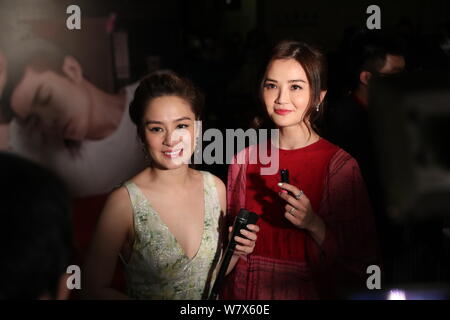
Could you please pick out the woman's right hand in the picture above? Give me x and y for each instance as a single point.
(246, 244)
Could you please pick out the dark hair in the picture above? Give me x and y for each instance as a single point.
(368, 51)
(35, 232)
(159, 84)
(314, 63)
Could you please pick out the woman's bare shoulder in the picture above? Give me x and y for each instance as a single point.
(118, 195)
(118, 204)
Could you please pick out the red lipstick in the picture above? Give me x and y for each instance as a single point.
(282, 112)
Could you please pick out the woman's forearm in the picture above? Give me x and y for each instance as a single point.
(233, 261)
(318, 230)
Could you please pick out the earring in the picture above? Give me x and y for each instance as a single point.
(197, 143)
(317, 107)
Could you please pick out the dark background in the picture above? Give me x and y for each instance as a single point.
(221, 46)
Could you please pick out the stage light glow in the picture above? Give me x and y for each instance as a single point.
(397, 294)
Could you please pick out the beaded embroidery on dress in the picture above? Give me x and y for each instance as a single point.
(158, 267)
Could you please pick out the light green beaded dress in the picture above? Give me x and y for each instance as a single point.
(158, 268)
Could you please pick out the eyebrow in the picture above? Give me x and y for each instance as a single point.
(290, 81)
(160, 122)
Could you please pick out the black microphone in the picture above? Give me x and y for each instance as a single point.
(243, 218)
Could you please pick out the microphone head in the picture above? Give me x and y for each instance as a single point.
(247, 217)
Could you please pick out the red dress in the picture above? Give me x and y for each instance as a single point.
(286, 262)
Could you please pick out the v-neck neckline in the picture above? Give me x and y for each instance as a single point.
(170, 233)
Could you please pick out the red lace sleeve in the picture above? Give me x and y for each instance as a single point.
(350, 243)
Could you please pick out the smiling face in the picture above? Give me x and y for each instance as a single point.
(286, 92)
(57, 104)
(169, 131)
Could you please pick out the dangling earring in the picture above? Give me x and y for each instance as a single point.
(198, 137)
(317, 107)
(197, 144)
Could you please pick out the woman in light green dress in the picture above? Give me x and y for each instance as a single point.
(166, 222)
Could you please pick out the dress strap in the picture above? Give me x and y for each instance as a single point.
(209, 181)
(132, 192)
(140, 208)
(212, 201)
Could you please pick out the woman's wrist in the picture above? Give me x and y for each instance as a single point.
(233, 261)
(317, 229)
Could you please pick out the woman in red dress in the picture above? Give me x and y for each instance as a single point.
(317, 234)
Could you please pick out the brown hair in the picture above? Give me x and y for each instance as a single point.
(313, 62)
(159, 84)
